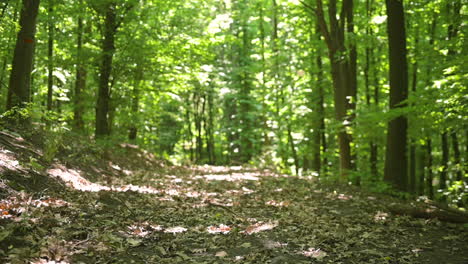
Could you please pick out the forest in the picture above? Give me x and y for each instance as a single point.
(237, 131)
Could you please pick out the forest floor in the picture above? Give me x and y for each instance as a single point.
(123, 205)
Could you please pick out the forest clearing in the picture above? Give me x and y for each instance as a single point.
(233, 131)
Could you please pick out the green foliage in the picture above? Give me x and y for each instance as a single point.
(245, 82)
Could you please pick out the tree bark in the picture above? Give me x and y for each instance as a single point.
(133, 130)
(210, 141)
(413, 142)
(430, 176)
(445, 163)
(396, 164)
(457, 156)
(342, 70)
(420, 162)
(50, 56)
(108, 49)
(80, 81)
(19, 88)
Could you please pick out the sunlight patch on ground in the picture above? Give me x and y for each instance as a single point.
(221, 229)
(246, 176)
(74, 179)
(259, 227)
(12, 207)
(277, 204)
(380, 216)
(218, 169)
(316, 253)
(144, 229)
(8, 161)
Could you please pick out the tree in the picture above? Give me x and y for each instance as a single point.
(19, 88)
(343, 71)
(81, 74)
(108, 49)
(396, 157)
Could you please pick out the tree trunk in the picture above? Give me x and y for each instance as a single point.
(420, 162)
(7, 56)
(210, 141)
(413, 142)
(351, 96)
(80, 82)
(457, 156)
(342, 70)
(445, 163)
(293, 149)
(50, 56)
(246, 149)
(430, 176)
(133, 130)
(396, 164)
(108, 49)
(189, 128)
(19, 88)
(318, 112)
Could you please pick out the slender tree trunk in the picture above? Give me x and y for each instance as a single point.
(321, 113)
(19, 88)
(80, 82)
(7, 56)
(445, 163)
(246, 149)
(430, 176)
(351, 96)
(133, 130)
(264, 89)
(396, 163)
(108, 49)
(457, 156)
(189, 128)
(420, 162)
(454, 8)
(210, 128)
(374, 159)
(316, 101)
(413, 142)
(293, 149)
(277, 86)
(50, 56)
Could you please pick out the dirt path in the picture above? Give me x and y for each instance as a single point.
(218, 215)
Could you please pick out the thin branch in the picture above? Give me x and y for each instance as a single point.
(307, 6)
(323, 24)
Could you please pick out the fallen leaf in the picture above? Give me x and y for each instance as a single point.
(316, 253)
(259, 227)
(223, 229)
(221, 254)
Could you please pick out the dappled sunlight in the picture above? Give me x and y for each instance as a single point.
(316, 253)
(277, 204)
(74, 180)
(205, 169)
(380, 217)
(8, 161)
(221, 229)
(260, 227)
(13, 207)
(247, 176)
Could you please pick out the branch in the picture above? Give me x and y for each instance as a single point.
(323, 24)
(307, 6)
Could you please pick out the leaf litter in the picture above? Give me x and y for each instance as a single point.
(119, 211)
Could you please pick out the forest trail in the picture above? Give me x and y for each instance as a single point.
(113, 211)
